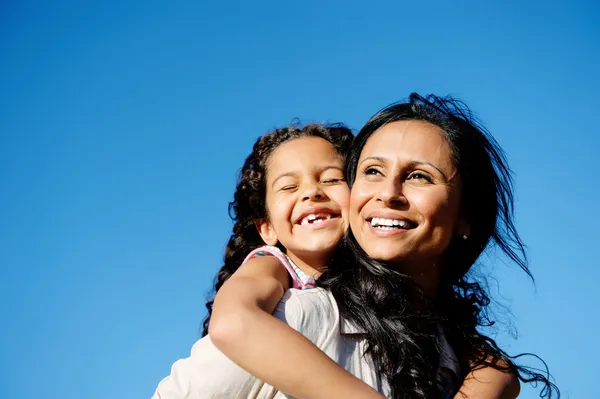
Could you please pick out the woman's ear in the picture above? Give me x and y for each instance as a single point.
(266, 231)
(463, 230)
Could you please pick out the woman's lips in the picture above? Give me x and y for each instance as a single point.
(389, 226)
(387, 232)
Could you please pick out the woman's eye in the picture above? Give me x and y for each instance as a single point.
(418, 176)
(287, 188)
(372, 171)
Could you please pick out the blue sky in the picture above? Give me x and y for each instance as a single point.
(123, 125)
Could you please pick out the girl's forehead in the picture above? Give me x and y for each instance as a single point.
(303, 152)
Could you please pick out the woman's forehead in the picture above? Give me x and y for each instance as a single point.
(413, 140)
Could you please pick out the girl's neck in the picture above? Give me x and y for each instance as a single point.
(312, 264)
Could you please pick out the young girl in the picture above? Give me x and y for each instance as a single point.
(292, 196)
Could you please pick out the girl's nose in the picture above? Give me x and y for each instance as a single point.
(313, 192)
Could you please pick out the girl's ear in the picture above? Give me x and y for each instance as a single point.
(266, 231)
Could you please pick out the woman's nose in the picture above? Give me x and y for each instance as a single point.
(391, 193)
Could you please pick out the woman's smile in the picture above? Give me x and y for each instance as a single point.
(403, 205)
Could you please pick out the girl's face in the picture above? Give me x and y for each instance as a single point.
(404, 205)
(307, 199)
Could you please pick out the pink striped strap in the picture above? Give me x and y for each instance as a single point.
(274, 251)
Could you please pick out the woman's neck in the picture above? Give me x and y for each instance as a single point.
(425, 275)
(428, 284)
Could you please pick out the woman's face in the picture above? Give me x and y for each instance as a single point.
(405, 201)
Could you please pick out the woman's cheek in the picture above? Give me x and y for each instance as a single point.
(430, 203)
(359, 195)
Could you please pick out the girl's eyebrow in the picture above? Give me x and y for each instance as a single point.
(293, 174)
(289, 174)
(326, 168)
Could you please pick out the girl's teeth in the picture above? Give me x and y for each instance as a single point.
(313, 218)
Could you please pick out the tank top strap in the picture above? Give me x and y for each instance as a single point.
(297, 281)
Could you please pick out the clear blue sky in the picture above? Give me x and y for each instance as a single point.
(123, 124)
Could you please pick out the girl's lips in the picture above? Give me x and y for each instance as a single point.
(320, 223)
(321, 212)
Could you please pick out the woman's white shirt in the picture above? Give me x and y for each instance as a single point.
(207, 373)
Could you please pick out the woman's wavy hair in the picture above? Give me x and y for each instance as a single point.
(249, 199)
(402, 323)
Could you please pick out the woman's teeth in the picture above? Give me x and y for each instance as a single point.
(389, 224)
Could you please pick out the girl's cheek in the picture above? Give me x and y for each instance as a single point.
(346, 203)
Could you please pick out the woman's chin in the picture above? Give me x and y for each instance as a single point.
(386, 256)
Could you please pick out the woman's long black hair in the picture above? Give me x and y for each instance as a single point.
(402, 323)
(249, 199)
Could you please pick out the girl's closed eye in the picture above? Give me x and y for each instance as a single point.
(332, 176)
(333, 180)
(288, 187)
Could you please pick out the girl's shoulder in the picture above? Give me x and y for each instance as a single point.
(300, 280)
(268, 250)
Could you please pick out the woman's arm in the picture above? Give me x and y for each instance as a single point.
(489, 383)
(243, 328)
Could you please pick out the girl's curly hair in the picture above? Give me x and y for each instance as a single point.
(249, 200)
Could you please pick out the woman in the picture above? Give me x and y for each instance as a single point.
(430, 191)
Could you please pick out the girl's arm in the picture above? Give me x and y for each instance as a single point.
(243, 328)
(489, 383)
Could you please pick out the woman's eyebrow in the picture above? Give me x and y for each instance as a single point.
(412, 163)
(378, 159)
(415, 163)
